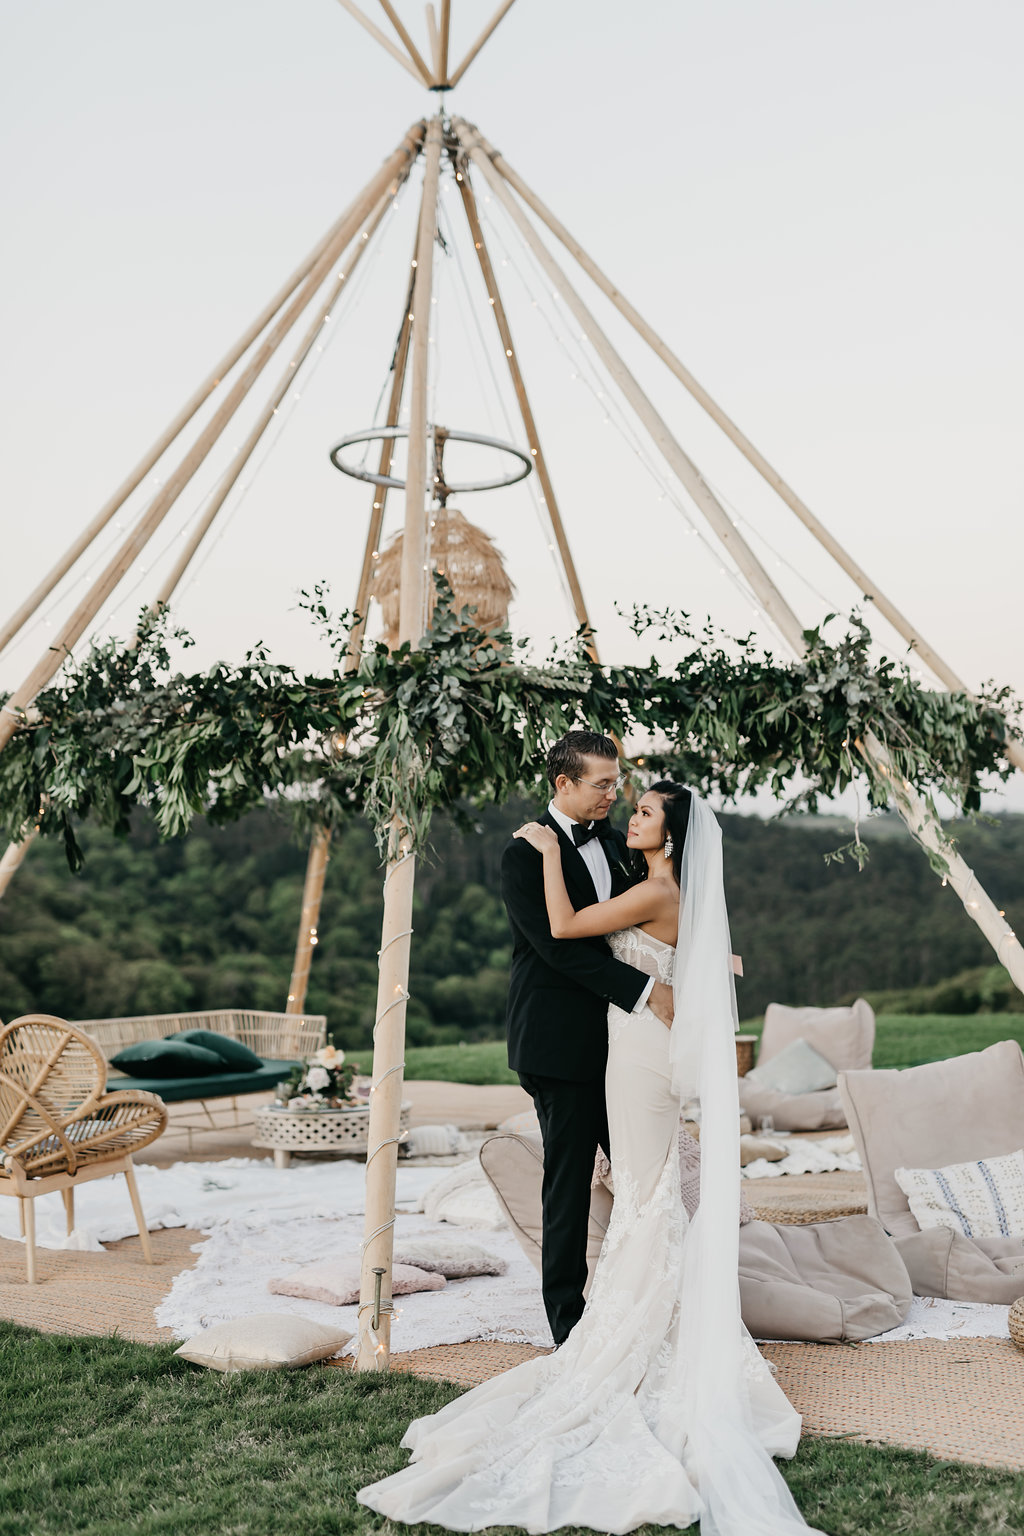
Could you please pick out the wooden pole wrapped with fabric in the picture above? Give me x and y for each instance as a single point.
(163, 442)
(13, 711)
(870, 589)
(374, 1343)
(767, 593)
(525, 410)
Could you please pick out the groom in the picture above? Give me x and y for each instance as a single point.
(559, 991)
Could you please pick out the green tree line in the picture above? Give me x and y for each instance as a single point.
(209, 921)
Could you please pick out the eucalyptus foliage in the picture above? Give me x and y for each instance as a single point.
(465, 719)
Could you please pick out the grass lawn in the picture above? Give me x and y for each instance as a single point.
(903, 1040)
(104, 1436)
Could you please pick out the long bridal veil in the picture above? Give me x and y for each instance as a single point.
(728, 1450)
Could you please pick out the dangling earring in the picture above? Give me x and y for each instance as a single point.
(668, 847)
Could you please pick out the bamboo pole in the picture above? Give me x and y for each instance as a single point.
(312, 894)
(869, 589)
(435, 42)
(498, 16)
(374, 1348)
(163, 442)
(446, 23)
(921, 817)
(380, 492)
(316, 866)
(751, 567)
(767, 593)
(269, 411)
(413, 51)
(518, 384)
(13, 856)
(412, 612)
(383, 39)
(12, 713)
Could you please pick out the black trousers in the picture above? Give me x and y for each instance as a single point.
(573, 1124)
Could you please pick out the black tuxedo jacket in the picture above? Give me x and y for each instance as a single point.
(559, 989)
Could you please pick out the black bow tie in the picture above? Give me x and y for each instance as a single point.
(581, 835)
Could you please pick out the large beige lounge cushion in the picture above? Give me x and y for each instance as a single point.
(514, 1166)
(820, 1111)
(929, 1117)
(833, 1281)
(844, 1036)
(830, 1281)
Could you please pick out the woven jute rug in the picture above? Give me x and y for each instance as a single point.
(101, 1293)
(808, 1197)
(959, 1400)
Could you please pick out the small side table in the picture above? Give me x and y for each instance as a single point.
(745, 1053)
(345, 1131)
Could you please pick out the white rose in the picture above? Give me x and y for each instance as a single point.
(329, 1057)
(317, 1078)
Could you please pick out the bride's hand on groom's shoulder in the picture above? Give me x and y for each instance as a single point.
(544, 839)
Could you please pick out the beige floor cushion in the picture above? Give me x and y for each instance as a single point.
(844, 1036)
(830, 1281)
(929, 1117)
(820, 1111)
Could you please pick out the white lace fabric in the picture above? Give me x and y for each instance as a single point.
(616, 1429)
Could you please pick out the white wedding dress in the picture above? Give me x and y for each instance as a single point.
(610, 1431)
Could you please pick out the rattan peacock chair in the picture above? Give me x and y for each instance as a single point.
(58, 1126)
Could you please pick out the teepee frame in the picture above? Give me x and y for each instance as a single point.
(468, 152)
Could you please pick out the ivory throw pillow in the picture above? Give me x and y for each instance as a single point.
(448, 1257)
(844, 1036)
(981, 1199)
(266, 1341)
(799, 1068)
(336, 1281)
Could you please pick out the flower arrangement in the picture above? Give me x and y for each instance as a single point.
(322, 1081)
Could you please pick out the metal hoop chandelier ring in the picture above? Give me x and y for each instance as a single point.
(374, 434)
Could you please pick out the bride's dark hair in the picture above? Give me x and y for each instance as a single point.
(675, 799)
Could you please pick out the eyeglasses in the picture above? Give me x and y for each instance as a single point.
(606, 786)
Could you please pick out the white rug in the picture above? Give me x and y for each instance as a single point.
(834, 1155)
(264, 1222)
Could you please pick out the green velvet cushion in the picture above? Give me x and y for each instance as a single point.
(238, 1056)
(168, 1058)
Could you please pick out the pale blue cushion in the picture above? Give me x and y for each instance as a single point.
(797, 1069)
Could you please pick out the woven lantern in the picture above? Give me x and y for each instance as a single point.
(466, 557)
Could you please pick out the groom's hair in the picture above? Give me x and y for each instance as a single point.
(567, 754)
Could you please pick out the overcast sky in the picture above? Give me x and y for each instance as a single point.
(817, 202)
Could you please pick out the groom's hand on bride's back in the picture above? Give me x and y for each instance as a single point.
(661, 1004)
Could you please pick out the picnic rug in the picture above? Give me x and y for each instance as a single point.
(958, 1399)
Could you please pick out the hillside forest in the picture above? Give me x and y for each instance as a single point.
(209, 921)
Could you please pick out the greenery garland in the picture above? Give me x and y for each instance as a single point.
(464, 719)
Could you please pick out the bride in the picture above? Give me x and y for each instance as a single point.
(657, 1407)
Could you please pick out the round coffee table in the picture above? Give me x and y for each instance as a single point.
(343, 1131)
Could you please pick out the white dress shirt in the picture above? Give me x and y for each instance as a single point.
(593, 856)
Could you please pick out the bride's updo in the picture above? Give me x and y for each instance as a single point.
(676, 800)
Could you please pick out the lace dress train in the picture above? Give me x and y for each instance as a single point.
(607, 1432)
